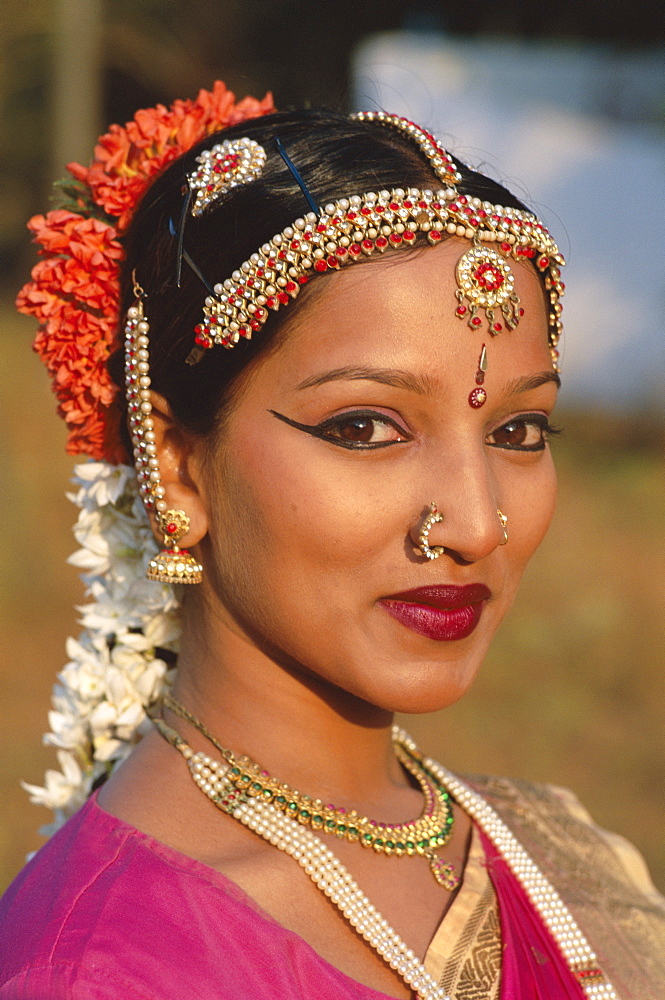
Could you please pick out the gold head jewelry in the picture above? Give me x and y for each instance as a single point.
(439, 158)
(363, 225)
(349, 229)
(227, 165)
(430, 551)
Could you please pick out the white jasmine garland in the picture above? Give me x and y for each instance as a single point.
(115, 669)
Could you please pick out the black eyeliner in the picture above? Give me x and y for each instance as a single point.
(321, 431)
(519, 447)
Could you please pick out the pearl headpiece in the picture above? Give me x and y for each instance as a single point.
(361, 225)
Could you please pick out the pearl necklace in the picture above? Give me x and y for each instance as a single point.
(332, 878)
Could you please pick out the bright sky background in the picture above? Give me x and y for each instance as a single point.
(535, 117)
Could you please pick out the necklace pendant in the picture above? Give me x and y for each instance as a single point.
(444, 873)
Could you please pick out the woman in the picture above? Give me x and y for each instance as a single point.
(360, 480)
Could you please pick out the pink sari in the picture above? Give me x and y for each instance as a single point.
(104, 911)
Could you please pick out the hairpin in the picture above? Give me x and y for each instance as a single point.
(227, 165)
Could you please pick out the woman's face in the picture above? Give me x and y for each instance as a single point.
(327, 466)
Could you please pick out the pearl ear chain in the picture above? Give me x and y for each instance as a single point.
(332, 878)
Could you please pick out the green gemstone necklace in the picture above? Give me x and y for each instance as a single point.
(244, 779)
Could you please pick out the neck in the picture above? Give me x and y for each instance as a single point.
(304, 731)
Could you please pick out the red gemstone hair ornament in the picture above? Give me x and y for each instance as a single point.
(227, 165)
(347, 230)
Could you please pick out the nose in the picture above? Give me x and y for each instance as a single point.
(464, 518)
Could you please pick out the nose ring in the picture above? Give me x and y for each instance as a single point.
(430, 551)
(503, 518)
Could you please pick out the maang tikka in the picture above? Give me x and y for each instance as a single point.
(172, 564)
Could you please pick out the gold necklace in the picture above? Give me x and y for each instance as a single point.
(245, 779)
(332, 878)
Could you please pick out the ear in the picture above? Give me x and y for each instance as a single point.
(179, 454)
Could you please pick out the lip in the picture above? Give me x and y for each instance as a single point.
(443, 613)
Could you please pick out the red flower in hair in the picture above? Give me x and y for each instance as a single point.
(74, 292)
(74, 296)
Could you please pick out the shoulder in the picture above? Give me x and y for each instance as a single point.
(600, 877)
(59, 914)
(104, 911)
(540, 810)
(101, 901)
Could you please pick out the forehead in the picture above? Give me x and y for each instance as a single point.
(401, 311)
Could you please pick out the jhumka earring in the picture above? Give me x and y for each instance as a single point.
(172, 564)
(503, 518)
(430, 551)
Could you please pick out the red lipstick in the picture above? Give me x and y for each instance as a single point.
(442, 613)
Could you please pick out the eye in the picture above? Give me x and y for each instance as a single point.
(357, 430)
(528, 432)
(363, 428)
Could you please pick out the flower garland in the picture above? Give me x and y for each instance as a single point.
(120, 661)
(74, 294)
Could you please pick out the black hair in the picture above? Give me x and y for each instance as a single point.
(336, 156)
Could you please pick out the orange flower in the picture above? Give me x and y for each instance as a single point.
(74, 296)
(126, 159)
(74, 292)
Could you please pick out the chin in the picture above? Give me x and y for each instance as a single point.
(417, 688)
(424, 702)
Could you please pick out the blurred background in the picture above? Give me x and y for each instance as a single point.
(563, 102)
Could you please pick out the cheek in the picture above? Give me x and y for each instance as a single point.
(531, 507)
(285, 530)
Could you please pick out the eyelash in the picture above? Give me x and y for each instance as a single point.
(322, 430)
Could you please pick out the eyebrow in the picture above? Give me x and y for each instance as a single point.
(528, 382)
(395, 377)
(421, 384)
